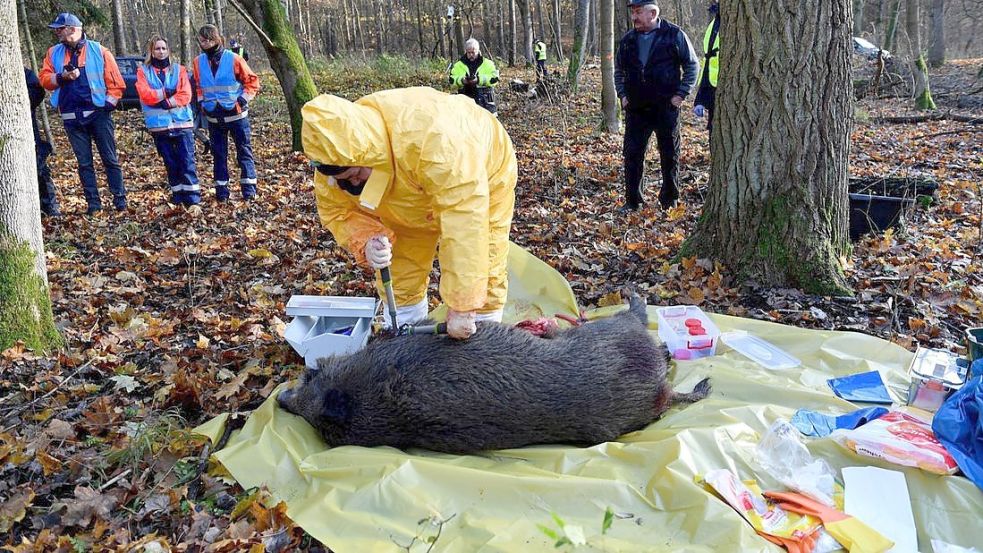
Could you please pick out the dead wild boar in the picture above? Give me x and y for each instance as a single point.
(502, 388)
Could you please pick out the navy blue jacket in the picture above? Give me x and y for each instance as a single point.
(671, 69)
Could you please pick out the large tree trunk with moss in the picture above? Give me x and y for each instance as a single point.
(936, 49)
(578, 55)
(777, 208)
(285, 58)
(25, 305)
(922, 91)
(609, 97)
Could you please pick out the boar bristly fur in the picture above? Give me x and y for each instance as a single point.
(502, 388)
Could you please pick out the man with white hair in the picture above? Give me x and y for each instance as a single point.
(655, 70)
(475, 76)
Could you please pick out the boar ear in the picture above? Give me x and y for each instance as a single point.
(336, 406)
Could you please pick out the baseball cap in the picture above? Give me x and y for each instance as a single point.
(65, 20)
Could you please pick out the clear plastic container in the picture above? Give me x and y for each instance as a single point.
(760, 351)
(687, 331)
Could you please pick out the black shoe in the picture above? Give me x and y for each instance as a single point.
(626, 209)
(93, 209)
(50, 213)
(668, 202)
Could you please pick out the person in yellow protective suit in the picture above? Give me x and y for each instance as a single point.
(405, 173)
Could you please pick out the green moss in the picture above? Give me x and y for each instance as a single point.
(821, 274)
(924, 100)
(25, 306)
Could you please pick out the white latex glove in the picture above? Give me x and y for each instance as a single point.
(460, 324)
(378, 252)
(699, 111)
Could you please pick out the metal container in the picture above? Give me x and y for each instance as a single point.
(935, 373)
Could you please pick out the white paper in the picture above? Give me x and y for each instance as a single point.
(879, 498)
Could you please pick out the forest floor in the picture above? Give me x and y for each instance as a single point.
(171, 316)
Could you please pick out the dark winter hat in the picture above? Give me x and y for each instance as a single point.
(65, 20)
(640, 3)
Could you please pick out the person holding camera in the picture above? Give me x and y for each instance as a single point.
(226, 85)
(86, 86)
(475, 76)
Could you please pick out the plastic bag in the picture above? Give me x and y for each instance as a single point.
(958, 424)
(783, 455)
(901, 438)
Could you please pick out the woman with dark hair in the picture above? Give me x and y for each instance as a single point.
(165, 96)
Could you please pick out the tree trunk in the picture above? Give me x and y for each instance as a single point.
(186, 52)
(119, 32)
(557, 31)
(419, 28)
(892, 26)
(858, 17)
(936, 50)
(219, 17)
(25, 303)
(578, 54)
(134, 30)
(777, 207)
(458, 35)
(379, 37)
(609, 98)
(922, 91)
(512, 40)
(285, 59)
(526, 16)
(36, 68)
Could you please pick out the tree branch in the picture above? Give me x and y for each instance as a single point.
(252, 23)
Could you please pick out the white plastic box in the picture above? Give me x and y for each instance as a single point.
(687, 331)
(329, 325)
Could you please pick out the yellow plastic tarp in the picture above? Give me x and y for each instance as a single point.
(356, 499)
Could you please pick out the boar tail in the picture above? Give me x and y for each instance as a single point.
(701, 391)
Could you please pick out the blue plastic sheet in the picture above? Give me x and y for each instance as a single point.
(819, 425)
(865, 387)
(958, 424)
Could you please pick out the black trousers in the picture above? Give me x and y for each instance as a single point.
(663, 120)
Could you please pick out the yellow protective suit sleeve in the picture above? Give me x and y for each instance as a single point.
(457, 181)
(339, 213)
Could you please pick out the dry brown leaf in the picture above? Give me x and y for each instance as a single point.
(88, 504)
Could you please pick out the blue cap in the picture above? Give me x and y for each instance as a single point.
(65, 20)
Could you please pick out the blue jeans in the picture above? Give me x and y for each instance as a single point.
(100, 129)
(177, 149)
(219, 133)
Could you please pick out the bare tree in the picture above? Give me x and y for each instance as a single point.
(186, 51)
(777, 206)
(526, 16)
(119, 32)
(936, 49)
(578, 55)
(25, 303)
(609, 97)
(919, 69)
(858, 17)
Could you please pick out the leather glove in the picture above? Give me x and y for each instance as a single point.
(109, 106)
(242, 102)
(378, 252)
(460, 324)
(699, 110)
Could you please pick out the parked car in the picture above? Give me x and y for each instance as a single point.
(128, 67)
(865, 48)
